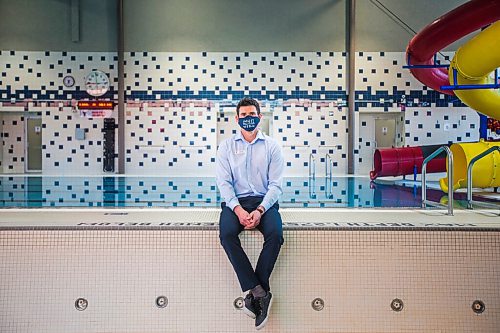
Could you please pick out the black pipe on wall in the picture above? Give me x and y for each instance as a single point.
(351, 56)
(121, 90)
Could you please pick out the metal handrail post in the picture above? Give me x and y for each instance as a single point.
(328, 166)
(424, 184)
(312, 176)
(469, 172)
(328, 175)
(312, 162)
(449, 154)
(312, 188)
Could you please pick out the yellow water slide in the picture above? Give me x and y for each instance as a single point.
(471, 68)
(474, 62)
(486, 171)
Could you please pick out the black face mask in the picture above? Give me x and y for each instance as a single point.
(249, 123)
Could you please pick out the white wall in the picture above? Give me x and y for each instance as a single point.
(190, 98)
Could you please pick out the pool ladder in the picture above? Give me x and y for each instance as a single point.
(470, 202)
(312, 176)
(328, 176)
(426, 202)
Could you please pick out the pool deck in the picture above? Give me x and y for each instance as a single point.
(207, 218)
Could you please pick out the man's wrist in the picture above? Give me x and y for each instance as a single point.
(261, 209)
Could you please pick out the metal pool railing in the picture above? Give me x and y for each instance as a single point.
(426, 202)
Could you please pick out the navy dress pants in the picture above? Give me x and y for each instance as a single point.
(271, 228)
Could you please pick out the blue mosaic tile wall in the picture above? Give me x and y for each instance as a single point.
(13, 142)
(424, 117)
(181, 104)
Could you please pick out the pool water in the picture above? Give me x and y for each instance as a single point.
(129, 191)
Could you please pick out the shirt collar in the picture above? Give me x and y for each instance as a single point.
(260, 136)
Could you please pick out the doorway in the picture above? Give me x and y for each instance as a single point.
(33, 154)
(264, 124)
(385, 133)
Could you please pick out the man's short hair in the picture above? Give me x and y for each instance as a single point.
(247, 101)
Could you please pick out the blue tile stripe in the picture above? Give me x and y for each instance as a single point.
(393, 98)
(185, 94)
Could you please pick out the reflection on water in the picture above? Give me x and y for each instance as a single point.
(49, 191)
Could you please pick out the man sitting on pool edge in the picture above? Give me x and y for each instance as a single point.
(249, 176)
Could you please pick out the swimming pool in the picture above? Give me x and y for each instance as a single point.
(140, 191)
(105, 266)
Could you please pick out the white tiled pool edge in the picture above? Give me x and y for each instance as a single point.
(336, 217)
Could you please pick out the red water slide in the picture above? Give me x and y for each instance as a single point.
(443, 31)
(405, 160)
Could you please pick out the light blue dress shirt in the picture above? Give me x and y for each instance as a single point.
(249, 169)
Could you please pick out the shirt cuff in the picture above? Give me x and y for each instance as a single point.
(233, 203)
(266, 206)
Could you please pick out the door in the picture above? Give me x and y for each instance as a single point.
(385, 132)
(264, 124)
(34, 144)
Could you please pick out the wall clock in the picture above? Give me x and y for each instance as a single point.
(69, 81)
(97, 83)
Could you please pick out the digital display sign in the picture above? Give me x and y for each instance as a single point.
(95, 105)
